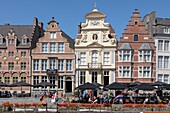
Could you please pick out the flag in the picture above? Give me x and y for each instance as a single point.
(118, 97)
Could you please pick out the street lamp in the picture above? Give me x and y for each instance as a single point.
(78, 79)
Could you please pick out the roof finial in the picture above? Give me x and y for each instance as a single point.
(95, 9)
(52, 18)
(95, 5)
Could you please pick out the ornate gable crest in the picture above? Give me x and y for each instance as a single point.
(24, 37)
(95, 44)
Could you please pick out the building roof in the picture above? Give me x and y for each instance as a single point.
(163, 21)
(19, 30)
(126, 46)
(145, 46)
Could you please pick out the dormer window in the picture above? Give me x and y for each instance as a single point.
(166, 30)
(95, 37)
(11, 41)
(52, 34)
(24, 41)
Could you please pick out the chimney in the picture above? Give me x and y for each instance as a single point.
(40, 24)
(79, 28)
(35, 21)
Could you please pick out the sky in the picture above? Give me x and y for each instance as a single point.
(69, 13)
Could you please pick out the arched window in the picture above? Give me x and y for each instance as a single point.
(95, 37)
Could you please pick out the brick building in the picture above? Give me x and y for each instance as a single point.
(55, 50)
(159, 29)
(16, 42)
(136, 55)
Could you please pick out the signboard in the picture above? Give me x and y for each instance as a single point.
(51, 71)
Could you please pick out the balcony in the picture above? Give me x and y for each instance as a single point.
(95, 65)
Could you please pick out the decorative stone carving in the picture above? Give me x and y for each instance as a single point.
(77, 41)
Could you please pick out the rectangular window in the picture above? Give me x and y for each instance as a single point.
(166, 62)
(10, 41)
(125, 71)
(82, 77)
(10, 54)
(160, 77)
(144, 72)
(44, 65)
(10, 65)
(7, 80)
(106, 58)
(44, 47)
(36, 65)
(160, 45)
(52, 81)
(126, 55)
(69, 65)
(52, 47)
(83, 58)
(135, 37)
(44, 79)
(94, 76)
(24, 41)
(147, 56)
(15, 79)
(23, 79)
(140, 56)
(23, 65)
(60, 65)
(166, 45)
(160, 62)
(23, 53)
(52, 34)
(61, 47)
(166, 77)
(60, 82)
(52, 64)
(166, 30)
(36, 79)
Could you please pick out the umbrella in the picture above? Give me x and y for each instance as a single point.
(3, 84)
(97, 84)
(134, 84)
(115, 86)
(158, 83)
(167, 87)
(21, 83)
(87, 86)
(44, 84)
(144, 86)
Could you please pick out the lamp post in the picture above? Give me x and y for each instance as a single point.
(78, 78)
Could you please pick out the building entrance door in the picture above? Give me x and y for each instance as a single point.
(68, 85)
(106, 80)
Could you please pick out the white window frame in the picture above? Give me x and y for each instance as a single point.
(106, 60)
(43, 64)
(142, 70)
(82, 77)
(36, 65)
(125, 55)
(82, 58)
(53, 47)
(124, 71)
(166, 45)
(94, 57)
(145, 56)
(60, 65)
(166, 30)
(60, 82)
(53, 35)
(160, 45)
(68, 65)
(52, 63)
(45, 47)
(61, 47)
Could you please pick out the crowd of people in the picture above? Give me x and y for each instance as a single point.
(124, 98)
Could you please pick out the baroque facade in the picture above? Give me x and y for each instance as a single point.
(55, 50)
(95, 48)
(160, 32)
(16, 42)
(136, 55)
